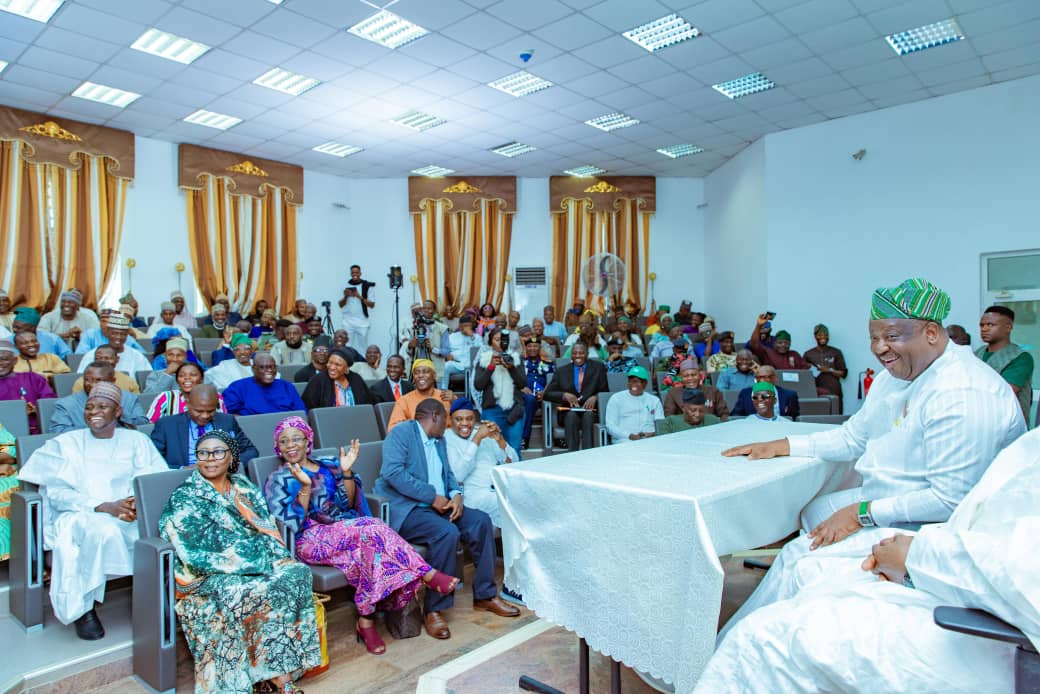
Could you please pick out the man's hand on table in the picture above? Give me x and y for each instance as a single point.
(888, 558)
(761, 450)
(840, 525)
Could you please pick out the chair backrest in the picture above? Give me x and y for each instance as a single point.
(151, 492)
(204, 346)
(644, 362)
(601, 405)
(383, 412)
(563, 361)
(194, 332)
(730, 396)
(146, 400)
(142, 377)
(46, 411)
(617, 382)
(14, 417)
(259, 469)
(369, 463)
(73, 360)
(145, 429)
(63, 382)
(27, 445)
(336, 426)
(260, 428)
(300, 387)
(801, 381)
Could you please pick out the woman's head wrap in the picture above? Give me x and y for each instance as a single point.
(294, 422)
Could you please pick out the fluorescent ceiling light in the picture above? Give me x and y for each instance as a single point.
(676, 151)
(105, 95)
(337, 149)
(612, 121)
(663, 32)
(37, 10)
(285, 81)
(212, 120)
(417, 120)
(387, 29)
(169, 46)
(928, 36)
(3, 64)
(742, 86)
(275, 2)
(432, 171)
(520, 84)
(585, 171)
(513, 149)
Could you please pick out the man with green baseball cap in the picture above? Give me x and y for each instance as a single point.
(934, 420)
(634, 413)
(763, 396)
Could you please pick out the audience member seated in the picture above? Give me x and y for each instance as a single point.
(958, 335)
(725, 358)
(685, 315)
(127, 360)
(833, 619)
(633, 414)
(629, 333)
(231, 370)
(292, 350)
(263, 392)
(500, 382)
(231, 316)
(426, 507)
(245, 605)
(765, 335)
(370, 368)
(394, 385)
(830, 362)
(312, 328)
(787, 400)
(706, 340)
(763, 398)
(297, 315)
(167, 320)
(666, 348)
(617, 362)
(660, 321)
(6, 316)
(538, 366)
(138, 329)
(780, 356)
(26, 319)
(435, 330)
(265, 325)
(320, 350)
(692, 379)
(182, 316)
(456, 349)
(176, 436)
(25, 386)
(170, 353)
(8, 486)
(423, 378)
(30, 360)
(268, 340)
(553, 331)
(1014, 364)
(175, 401)
(589, 333)
(322, 502)
(570, 318)
(694, 413)
(68, 411)
(213, 326)
(95, 337)
(486, 319)
(739, 376)
(86, 479)
(107, 354)
(337, 386)
(259, 309)
(575, 387)
(69, 320)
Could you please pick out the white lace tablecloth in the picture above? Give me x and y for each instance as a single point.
(620, 544)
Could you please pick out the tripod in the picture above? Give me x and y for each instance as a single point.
(326, 323)
(397, 321)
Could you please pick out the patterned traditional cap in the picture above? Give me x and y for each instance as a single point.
(915, 298)
(783, 335)
(761, 386)
(27, 314)
(176, 343)
(118, 321)
(71, 295)
(664, 307)
(176, 295)
(107, 390)
(240, 339)
(820, 329)
(126, 308)
(269, 312)
(127, 298)
(422, 362)
(693, 396)
(167, 306)
(7, 346)
(687, 364)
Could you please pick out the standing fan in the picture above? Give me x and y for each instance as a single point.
(603, 275)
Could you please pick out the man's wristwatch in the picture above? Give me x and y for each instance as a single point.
(865, 519)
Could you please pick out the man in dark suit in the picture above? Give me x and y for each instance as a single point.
(395, 384)
(175, 436)
(426, 508)
(787, 400)
(578, 385)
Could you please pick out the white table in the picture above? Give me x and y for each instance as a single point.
(620, 544)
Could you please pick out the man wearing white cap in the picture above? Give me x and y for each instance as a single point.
(182, 316)
(168, 319)
(6, 316)
(116, 330)
(69, 320)
(92, 339)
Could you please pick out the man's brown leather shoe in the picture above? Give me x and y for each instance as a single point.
(496, 605)
(436, 626)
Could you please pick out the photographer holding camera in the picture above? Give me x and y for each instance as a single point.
(423, 339)
(355, 304)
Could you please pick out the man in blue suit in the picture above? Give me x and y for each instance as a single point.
(426, 508)
(175, 436)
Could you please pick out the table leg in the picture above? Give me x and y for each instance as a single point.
(583, 666)
(615, 677)
(529, 684)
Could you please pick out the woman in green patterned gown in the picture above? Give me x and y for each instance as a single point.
(245, 605)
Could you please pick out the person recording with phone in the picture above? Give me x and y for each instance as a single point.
(355, 304)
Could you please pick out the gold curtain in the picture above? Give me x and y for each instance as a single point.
(580, 231)
(462, 256)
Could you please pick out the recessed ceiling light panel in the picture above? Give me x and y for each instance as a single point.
(37, 10)
(387, 29)
(3, 64)
(211, 119)
(169, 46)
(676, 151)
(520, 84)
(928, 36)
(285, 81)
(105, 95)
(585, 171)
(663, 32)
(513, 149)
(337, 149)
(433, 171)
(742, 86)
(612, 121)
(417, 120)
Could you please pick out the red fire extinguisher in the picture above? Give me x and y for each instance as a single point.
(866, 379)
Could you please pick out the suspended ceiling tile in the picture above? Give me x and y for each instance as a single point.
(762, 31)
(293, 28)
(195, 26)
(530, 14)
(573, 32)
(480, 31)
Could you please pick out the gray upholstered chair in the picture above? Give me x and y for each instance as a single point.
(383, 412)
(260, 428)
(337, 426)
(14, 417)
(985, 625)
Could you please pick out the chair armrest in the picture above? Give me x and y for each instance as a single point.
(26, 562)
(153, 616)
(288, 537)
(601, 435)
(376, 501)
(979, 623)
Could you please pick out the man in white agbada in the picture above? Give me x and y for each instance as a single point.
(89, 519)
(474, 449)
(230, 370)
(846, 630)
(930, 426)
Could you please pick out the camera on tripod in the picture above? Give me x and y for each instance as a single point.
(327, 305)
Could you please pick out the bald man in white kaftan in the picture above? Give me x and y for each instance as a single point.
(77, 472)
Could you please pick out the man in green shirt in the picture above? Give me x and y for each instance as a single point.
(694, 414)
(1012, 362)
